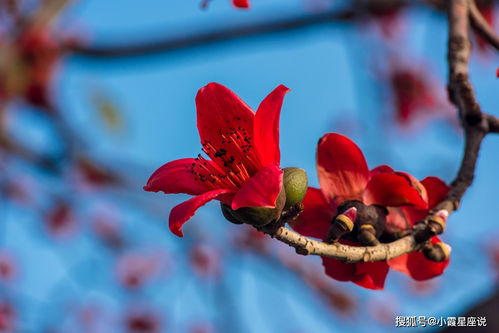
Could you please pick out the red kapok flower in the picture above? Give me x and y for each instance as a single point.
(205, 260)
(243, 150)
(8, 268)
(344, 175)
(241, 3)
(388, 17)
(7, 317)
(142, 320)
(414, 96)
(415, 264)
(135, 270)
(32, 63)
(60, 220)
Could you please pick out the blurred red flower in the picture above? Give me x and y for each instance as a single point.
(135, 270)
(241, 3)
(60, 220)
(32, 61)
(7, 316)
(205, 260)
(388, 17)
(344, 175)
(142, 321)
(411, 93)
(487, 9)
(108, 230)
(243, 147)
(8, 269)
(416, 95)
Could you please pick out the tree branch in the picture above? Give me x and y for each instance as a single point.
(476, 124)
(493, 123)
(359, 10)
(207, 37)
(381, 252)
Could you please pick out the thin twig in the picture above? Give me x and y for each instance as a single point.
(493, 123)
(357, 11)
(170, 43)
(482, 27)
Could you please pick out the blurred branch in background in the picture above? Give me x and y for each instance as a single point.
(357, 11)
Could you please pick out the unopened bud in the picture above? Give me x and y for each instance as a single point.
(438, 220)
(437, 252)
(367, 235)
(295, 185)
(342, 224)
(227, 212)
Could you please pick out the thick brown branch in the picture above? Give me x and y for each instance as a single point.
(476, 124)
(482, 27)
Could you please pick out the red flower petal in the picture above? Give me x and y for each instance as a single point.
(417, 266)
(341, 167)
(261, 190)
(394, 189)
(176, 177)
(241, 3)
(416, 184)
(224, 121)
(338, 269)
(266, 126)
(371, 275)
(315, 220)
(398, 218)
(183, 212)
(436, 188)
(380, 169)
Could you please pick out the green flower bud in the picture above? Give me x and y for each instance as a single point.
(295, 184)
(256, 216)
(227, 212)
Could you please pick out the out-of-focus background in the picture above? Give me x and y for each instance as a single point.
(95, 95)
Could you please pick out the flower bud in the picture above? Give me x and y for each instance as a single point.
(367, 235)
(342, 224)
(347, 218)
(437, 252)
(255, 216)
(437, 221)
(295, 185)
(227, 213)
